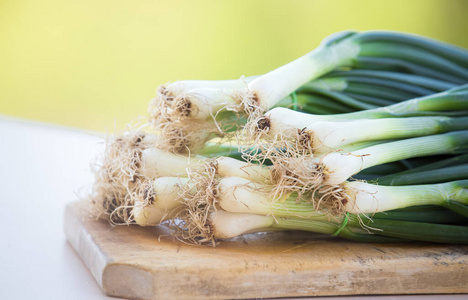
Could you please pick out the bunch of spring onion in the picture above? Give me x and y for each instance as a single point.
(225, 198)
(207, 207)
(363, 105)
(321, 153)
(188, 113)
(209, 199)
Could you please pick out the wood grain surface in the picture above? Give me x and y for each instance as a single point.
(146, 263)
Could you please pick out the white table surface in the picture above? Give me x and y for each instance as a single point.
(43, 168)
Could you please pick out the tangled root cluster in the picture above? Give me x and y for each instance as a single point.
(257, 126)
(305, 176)
(263, 143)
(250, 105)
(117, 176)
(255, 133)
(171, 116)
(183, 137)
(296, 173)
(293, 167)
(333, 198)
(199, 199)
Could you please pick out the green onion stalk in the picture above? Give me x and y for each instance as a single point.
(360, 197)
(325, 136)
(337, 167)
(228, 225)
(451, 102)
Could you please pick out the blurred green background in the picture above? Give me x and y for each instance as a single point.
(95, 64)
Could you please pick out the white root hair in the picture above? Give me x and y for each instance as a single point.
(117, 176)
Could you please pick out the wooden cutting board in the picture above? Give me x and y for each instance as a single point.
(132, 262)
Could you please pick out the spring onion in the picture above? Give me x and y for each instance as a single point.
(369, 198)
